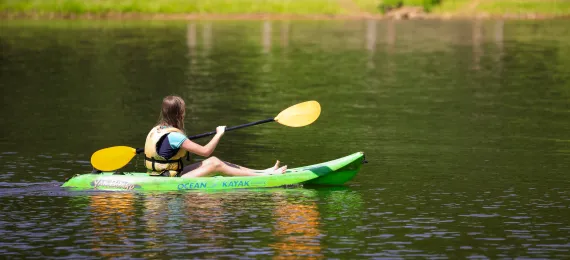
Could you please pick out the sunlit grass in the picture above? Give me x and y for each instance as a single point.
(175, 6)
(449, 6)
(557, 7)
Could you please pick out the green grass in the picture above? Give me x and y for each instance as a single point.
(428, 5)
(175, 6)
(554, 7)
(451, 6)
(301, 7)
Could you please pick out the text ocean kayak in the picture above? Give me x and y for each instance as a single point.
(335, 172)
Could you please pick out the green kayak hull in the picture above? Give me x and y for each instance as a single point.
(335, 172)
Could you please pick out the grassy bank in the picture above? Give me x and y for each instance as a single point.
(284, 7)
(504, 7)
(176, 6)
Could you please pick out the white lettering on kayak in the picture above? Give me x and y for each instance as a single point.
(113, 184)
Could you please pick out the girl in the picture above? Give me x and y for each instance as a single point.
(166, 145)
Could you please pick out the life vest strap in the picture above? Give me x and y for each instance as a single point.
(179, 161)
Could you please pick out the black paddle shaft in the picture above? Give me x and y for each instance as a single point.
(232, 128)
(141, 150)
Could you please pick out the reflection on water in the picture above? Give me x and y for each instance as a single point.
(282, 222)
(371, 41)
(499, 39)
(464, 124)
(111, 218)
(266, 37)
(297, 228)
(477, 35)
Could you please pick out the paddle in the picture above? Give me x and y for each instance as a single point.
(116, 157)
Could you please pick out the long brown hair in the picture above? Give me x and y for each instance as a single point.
(172, 112)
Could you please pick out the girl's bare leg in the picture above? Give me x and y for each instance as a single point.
(214, 165)
(272, 169)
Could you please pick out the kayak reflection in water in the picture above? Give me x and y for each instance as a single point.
(166, 144)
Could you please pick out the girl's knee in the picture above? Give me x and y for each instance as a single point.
(214, 162)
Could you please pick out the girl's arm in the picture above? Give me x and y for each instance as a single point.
(207, 149)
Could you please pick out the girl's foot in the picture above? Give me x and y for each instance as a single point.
(281, 170)
(275, 167)
(272, 171)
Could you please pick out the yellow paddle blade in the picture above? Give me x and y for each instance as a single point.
(301, 114)
(112, 158)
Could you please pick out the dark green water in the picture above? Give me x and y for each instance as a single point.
(465, 125)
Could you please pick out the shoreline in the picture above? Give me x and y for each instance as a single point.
(210, 16)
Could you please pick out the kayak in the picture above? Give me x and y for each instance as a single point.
(335, 172)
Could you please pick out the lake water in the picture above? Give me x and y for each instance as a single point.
(464, 124)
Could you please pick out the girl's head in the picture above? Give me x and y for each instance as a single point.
(173, 112)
